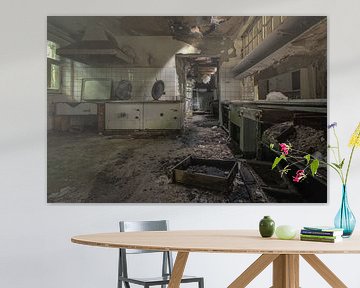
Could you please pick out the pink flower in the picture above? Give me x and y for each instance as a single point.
(284, 148)
(300, 175)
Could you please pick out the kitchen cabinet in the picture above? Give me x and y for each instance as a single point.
(123, 116)
(76, 108)
(159, 115)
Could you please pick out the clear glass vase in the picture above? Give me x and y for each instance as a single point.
(345, 219)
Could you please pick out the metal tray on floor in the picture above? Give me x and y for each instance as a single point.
(222, 183)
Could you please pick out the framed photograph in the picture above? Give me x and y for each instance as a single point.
(186, 109)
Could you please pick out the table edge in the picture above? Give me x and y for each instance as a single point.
(206, 250)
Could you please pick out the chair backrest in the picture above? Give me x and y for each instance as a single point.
(134, 226)
(137, 226)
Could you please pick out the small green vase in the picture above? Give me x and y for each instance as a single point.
(267, 227)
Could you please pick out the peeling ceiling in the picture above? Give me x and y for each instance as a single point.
(213, 35)
(179, 26)
(216, 37)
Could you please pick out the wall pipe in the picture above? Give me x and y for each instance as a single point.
(292, 27)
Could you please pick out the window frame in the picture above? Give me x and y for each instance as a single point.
(57, 62)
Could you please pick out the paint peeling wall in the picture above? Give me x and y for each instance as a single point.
(247, 88)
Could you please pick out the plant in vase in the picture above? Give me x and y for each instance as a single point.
(292, 157)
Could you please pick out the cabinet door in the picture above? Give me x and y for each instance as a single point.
(162, 116)
(123, 116)
(76, 109)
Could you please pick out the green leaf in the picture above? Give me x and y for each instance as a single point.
(342, 164)
(307, 157)
(271, 146)
(339, 166)
(277, 161)
(314, 166)
(336, 165)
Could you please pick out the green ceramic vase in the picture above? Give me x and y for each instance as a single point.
(267, 227)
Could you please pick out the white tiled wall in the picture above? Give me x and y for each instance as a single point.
(142, 80)
(235, 89)
(229, 87)
(66, 78)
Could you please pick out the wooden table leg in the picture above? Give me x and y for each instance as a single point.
(253, 270)
(286, 271)
(178, 269)
(324, 271)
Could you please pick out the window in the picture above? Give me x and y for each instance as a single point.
(295, 79)
(53, 67)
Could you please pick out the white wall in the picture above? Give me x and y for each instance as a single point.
(35, 248)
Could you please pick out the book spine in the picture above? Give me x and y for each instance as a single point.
(317, 239)
(319, 233)
(318, 236)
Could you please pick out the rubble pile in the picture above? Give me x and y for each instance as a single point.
(303, 138)
(272, 134)
(309, 140)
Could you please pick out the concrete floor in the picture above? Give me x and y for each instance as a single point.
(134, 168)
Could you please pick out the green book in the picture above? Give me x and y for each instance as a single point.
(319, 236)
(325, 240)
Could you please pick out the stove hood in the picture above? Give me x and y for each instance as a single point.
(96, 48)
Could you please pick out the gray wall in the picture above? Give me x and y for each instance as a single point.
(35, 243)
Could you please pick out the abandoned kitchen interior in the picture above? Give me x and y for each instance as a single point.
(183, 109)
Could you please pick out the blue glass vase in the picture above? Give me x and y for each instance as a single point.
(345, 219)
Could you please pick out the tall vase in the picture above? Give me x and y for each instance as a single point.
(345, 219)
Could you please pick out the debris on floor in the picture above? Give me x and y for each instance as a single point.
(119, 169)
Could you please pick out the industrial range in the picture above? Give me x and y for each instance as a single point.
(185, 109)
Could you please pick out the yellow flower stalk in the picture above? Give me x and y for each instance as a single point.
(355, 138)
(354, 142)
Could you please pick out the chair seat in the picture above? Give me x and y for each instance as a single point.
(158, 280)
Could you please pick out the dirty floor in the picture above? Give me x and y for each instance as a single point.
(137, 168)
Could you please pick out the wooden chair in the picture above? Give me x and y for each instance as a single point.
(167, 263)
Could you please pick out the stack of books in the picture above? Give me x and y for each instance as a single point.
(321, 234)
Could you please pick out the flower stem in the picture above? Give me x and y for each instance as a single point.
(339, 160)
(338, 145)
(348, 167)
(333, 152)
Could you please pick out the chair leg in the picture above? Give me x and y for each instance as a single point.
(201, 283)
